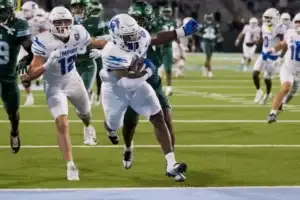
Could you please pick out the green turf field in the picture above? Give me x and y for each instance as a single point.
(221, 135)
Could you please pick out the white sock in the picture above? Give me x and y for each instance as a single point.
(70, 164)
(170, 157)
(29, 94)
(273, 112)
(128, 148)
(168, 87)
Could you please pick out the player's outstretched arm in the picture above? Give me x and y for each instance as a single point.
(281, 46)
(96, 43)
(166, 36)
(36, 68)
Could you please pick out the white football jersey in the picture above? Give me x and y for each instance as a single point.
(114, 56)
(270, 36)
(287, 26)
(292, 56)
(251, 34)
(44, 43)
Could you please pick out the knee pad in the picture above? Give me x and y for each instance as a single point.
(26, 84)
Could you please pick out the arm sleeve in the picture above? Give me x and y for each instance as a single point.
(23, 31)
(38, 47)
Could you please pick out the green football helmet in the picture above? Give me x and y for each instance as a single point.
(80, 9)
(143, 13)
(7, 8)
(96, 8)
(166, 12)
(209, 18)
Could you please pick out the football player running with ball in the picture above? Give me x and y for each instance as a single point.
(121, 89)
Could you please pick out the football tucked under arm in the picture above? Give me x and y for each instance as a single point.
(137, 65)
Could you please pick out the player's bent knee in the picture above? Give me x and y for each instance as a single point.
(157, 118)
(286, 87)
(255, 73)
(61, 123)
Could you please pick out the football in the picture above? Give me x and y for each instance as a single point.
(137, 65)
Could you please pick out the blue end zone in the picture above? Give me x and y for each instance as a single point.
(233, 193)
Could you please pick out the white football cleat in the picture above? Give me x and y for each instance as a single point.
(264, 100)
(258, 96)
(89, 135)
(72, 173)
(29, 100)
(169, 91)
(128, 156)
(210, 74)
(176, 171)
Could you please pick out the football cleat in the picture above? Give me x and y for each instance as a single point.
(72, 174)
(258, 96)
(113, 136)
(127, 158)
(264, 100)
(29, 101)
(15, 143)
(89, 136)
(177, 171)
(271, 118)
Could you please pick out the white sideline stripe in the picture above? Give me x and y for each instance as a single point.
(158, 146)
(175, 121)
(147, 188)
(217, 87)
(190, 106)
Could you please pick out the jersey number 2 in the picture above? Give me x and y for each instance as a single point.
(4, 53)
(67, 64)
(295, 53)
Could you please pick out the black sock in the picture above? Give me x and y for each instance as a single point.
(256, 81)
(14, 121)
(98, 82)
(268, 83)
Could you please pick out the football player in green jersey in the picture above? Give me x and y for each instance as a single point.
(80, 10)
(95, 25)
(168, 24)
(14, 33)
(210, 34)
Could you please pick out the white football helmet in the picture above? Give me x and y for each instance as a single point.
(271, 17)
(40, 13)
(296, 22)
(61, 21)
(285, 18)
(124, 31)
(28, 9)
(253, 22)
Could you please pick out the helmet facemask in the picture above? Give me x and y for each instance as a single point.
(62, 28)
(78, 11)
(297, 26)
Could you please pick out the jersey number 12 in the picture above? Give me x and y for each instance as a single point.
(67, 64)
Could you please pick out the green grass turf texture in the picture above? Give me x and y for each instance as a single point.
(227, 96)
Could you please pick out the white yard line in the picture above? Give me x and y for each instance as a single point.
(175, 121)
(158, 146)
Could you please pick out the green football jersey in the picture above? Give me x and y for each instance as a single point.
(168, 25)
(155, 54)
(11, 37)
(96, 27)
(209, 32)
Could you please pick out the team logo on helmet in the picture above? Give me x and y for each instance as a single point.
(114, 24)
